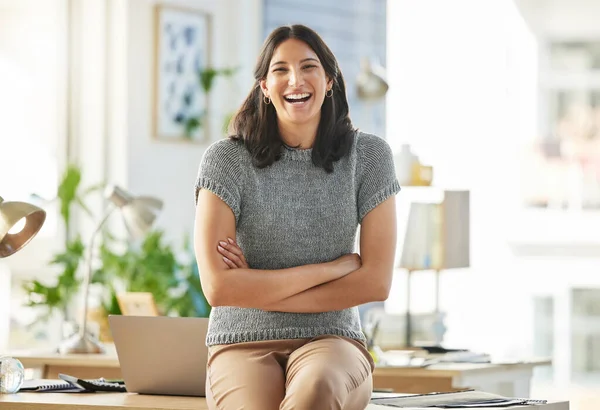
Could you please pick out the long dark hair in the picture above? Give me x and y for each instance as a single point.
(255, 123)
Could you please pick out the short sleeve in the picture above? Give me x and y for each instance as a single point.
(377, 175)
(220, 173)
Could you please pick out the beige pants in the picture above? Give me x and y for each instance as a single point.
(327, 372)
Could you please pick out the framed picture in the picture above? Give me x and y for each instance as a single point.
(137, 304)
(182, 49)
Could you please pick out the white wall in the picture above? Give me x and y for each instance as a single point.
(561, 17)
(168, 170)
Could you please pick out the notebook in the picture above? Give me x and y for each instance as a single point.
(160, 354)
(470, 399)
(50, 386)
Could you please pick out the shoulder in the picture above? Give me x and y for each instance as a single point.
(222, 158)
(371, 146)
(223, 150)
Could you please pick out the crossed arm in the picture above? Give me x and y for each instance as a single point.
(345, 282)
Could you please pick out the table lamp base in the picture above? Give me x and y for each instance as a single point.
(78, 344)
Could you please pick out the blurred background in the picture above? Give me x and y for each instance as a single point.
(498, 98)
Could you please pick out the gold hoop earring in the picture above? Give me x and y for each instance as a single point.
(266, 100)
(329, 93)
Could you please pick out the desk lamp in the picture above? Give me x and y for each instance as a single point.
(138, 214)
(436, 238)
(371, 87)
(370, 83)
(11, 213)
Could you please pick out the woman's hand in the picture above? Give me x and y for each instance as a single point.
(234, 258)
(232, 254)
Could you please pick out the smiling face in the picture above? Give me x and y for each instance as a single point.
(296, 83)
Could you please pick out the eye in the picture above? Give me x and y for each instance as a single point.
(281, 69)
(309, 66)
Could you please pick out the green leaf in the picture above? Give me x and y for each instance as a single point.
(152, 266)
(59, 294)
(191, 124)
(67, 191)
(206, 78)
(226, 121)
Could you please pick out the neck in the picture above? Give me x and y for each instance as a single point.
(299, 135)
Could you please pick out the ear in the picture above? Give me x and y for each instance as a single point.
(263, 87)
(329, 84)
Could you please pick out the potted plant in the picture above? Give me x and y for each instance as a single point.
(57, 297)
(150, 266)
(206, 78)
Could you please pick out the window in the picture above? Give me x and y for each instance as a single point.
(32, 131)
(567, 154)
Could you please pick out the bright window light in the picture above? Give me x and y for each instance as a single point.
(30, 64)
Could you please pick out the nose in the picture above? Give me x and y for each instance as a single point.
(296, 79)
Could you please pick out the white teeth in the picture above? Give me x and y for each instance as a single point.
(297, 96)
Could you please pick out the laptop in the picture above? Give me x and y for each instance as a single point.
(160, 354)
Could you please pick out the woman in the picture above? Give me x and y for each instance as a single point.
(278, 206)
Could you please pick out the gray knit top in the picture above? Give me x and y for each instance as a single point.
(293, 213)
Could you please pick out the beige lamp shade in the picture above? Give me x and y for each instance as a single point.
(436, 235)
(10, 214)
(139, 212)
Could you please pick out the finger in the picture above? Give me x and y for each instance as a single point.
(227, 253)
(231, 256)
(229, 263)
(233, 247)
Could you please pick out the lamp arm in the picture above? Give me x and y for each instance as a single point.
(87, 278)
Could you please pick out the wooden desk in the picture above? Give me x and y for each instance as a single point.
(511, 380)
(84, 366)
(130, 401)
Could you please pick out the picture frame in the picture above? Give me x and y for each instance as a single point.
(182, 48)
(137, 304)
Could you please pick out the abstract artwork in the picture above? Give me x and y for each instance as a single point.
(182, 50)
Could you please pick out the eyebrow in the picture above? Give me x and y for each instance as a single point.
(302, 61)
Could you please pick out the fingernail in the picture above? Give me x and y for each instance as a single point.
(225, 259)
(231, 240)
(220, 248)
(223, 243)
